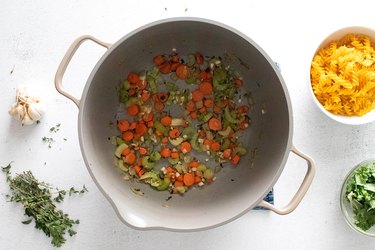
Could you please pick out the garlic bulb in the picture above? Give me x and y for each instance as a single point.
(28, 107)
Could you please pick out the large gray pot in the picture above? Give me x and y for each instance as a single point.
(225, 200)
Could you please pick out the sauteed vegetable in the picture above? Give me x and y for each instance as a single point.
(183, 117)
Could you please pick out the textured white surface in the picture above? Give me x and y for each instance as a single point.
(34, 36)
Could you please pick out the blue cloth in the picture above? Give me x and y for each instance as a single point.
(269, 198)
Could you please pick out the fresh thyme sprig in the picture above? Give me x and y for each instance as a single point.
(38, 199)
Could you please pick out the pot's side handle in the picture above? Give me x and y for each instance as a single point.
(302, 189)
(65, 62)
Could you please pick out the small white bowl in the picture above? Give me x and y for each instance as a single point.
(350, 120)
(346, 208)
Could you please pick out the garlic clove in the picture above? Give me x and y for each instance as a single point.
(20, 112)
(26, 120)
(34, 111)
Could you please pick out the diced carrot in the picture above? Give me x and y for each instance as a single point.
(132, 125)
(193, 115)
(174, 133)
(175, 155)
(239, 83)
(162, 97)
(142, 84)
(174, 66)
(185, 147)
(178, 183)
(132, 92)
(236, 159)
(208, 103)
(190, 106)
(205, 88)
(165, 67)
(244, 125)
(150, 124)
(197, 179)
(127, 135)
(202, 133)
(215, 146)
(164, 140)
(214, 124)
(141, 129)
(188, 179)
(148, 117)
(166, 120)
(126, 151)
(199, 58)
(217, 109)
(182, 71)
(158, 133)
(242, 109)
(130, 158)
(137, 168)
(165, 152)
(207, 142)
(141, 172)
(158, 60)
(180, 177)
(227, 153)
(204, 76)
(159, 106)
(133, 109)
(197, 95)
(133, 78)
(194, 164)
(142, 151)
(175, 58)
(202, 110)
(123, 125)
(145, 95)
(170, 170)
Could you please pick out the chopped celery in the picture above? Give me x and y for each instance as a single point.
(155, 156)
(152, 85)
(160, 127)
(240, 150)
(176, 142)
(208, 173)
(225, 144)
(194, 143)
(119, 149)
(229, 116)
(122, 166)
(173, 161)
(190, 60)
(164, 184)
(201, 168)
(205, 117)
(147, 164)
(171, 86)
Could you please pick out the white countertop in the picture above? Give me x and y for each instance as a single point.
(34, 36)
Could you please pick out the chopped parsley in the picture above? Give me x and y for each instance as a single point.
(360, 192)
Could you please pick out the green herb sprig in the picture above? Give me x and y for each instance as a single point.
(38, 199)
(360, 192)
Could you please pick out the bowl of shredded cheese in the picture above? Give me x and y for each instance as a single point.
(342, 75)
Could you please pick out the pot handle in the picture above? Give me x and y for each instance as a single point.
(65, 62)
(301, 191)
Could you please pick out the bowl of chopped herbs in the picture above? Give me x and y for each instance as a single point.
(358, 198)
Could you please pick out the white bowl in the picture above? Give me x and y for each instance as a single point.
(350, 120)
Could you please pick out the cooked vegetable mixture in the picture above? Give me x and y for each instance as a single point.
(360, 192)
(181, 110)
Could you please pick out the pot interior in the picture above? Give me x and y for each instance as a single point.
(236, 189)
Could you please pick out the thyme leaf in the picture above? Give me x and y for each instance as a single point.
(38, 199)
